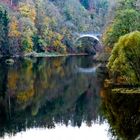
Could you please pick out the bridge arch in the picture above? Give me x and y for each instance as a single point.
(91, 46)
(87, 36)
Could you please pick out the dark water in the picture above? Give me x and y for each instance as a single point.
(54, 97)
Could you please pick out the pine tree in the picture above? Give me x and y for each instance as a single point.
(4, 28)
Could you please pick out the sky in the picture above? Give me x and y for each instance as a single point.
(95, 132)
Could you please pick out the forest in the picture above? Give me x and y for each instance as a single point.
(40, 92)
(51, 27)
(122, 42)
(48, 26)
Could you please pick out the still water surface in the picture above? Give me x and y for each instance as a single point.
(63, 98)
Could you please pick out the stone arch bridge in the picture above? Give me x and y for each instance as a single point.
(95, 46)
(94, 36)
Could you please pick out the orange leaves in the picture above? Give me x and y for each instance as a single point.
(14, 28)
(24, 96)
(55, 40)
(12, 80)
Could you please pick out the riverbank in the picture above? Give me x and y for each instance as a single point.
(11, 59)
(123, 88)
(35, 54)
(126, 90)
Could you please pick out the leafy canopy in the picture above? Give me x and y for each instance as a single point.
(125, 22)
(125, 57)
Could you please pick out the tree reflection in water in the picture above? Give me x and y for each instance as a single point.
(123, 114)
(41, 92)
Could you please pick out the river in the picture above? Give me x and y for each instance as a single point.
(63, 98)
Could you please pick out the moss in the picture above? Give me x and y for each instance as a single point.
(126, 90)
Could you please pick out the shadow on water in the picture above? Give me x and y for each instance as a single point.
(123, 114)
(44, 92)
(41, 92)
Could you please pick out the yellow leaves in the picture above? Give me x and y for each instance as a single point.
(106, 35)
(55, 40)
(27, 10)
(12, 80)
(125, 57)
(49, 22)
(14, 28)
(25, 90)
(27, 19)
(46, 20)
(32, 14)
(57, 63)
(27, 44)
(56, 43)
(59, 36)
(24, 96)
(30, 67)
(121, 79)
(50, 34)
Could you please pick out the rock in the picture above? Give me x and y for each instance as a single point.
(9, 61)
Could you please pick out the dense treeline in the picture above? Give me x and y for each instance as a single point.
(122, 36)
(46, 25)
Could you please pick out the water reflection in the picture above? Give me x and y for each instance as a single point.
(41, 92)
(45, 92)
(96, 132)
(123, 114)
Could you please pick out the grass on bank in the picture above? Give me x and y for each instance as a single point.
(126, 90)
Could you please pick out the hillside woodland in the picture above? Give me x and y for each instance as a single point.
(47, 25)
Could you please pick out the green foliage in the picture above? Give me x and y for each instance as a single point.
(125, 57)
(28, 29)
(96, 4)
(74, 12)
(127, 4)
(87, 45)
(4, 30)
(125, 22)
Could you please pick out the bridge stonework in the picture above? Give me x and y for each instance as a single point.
(94, 36)
(97, 45)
